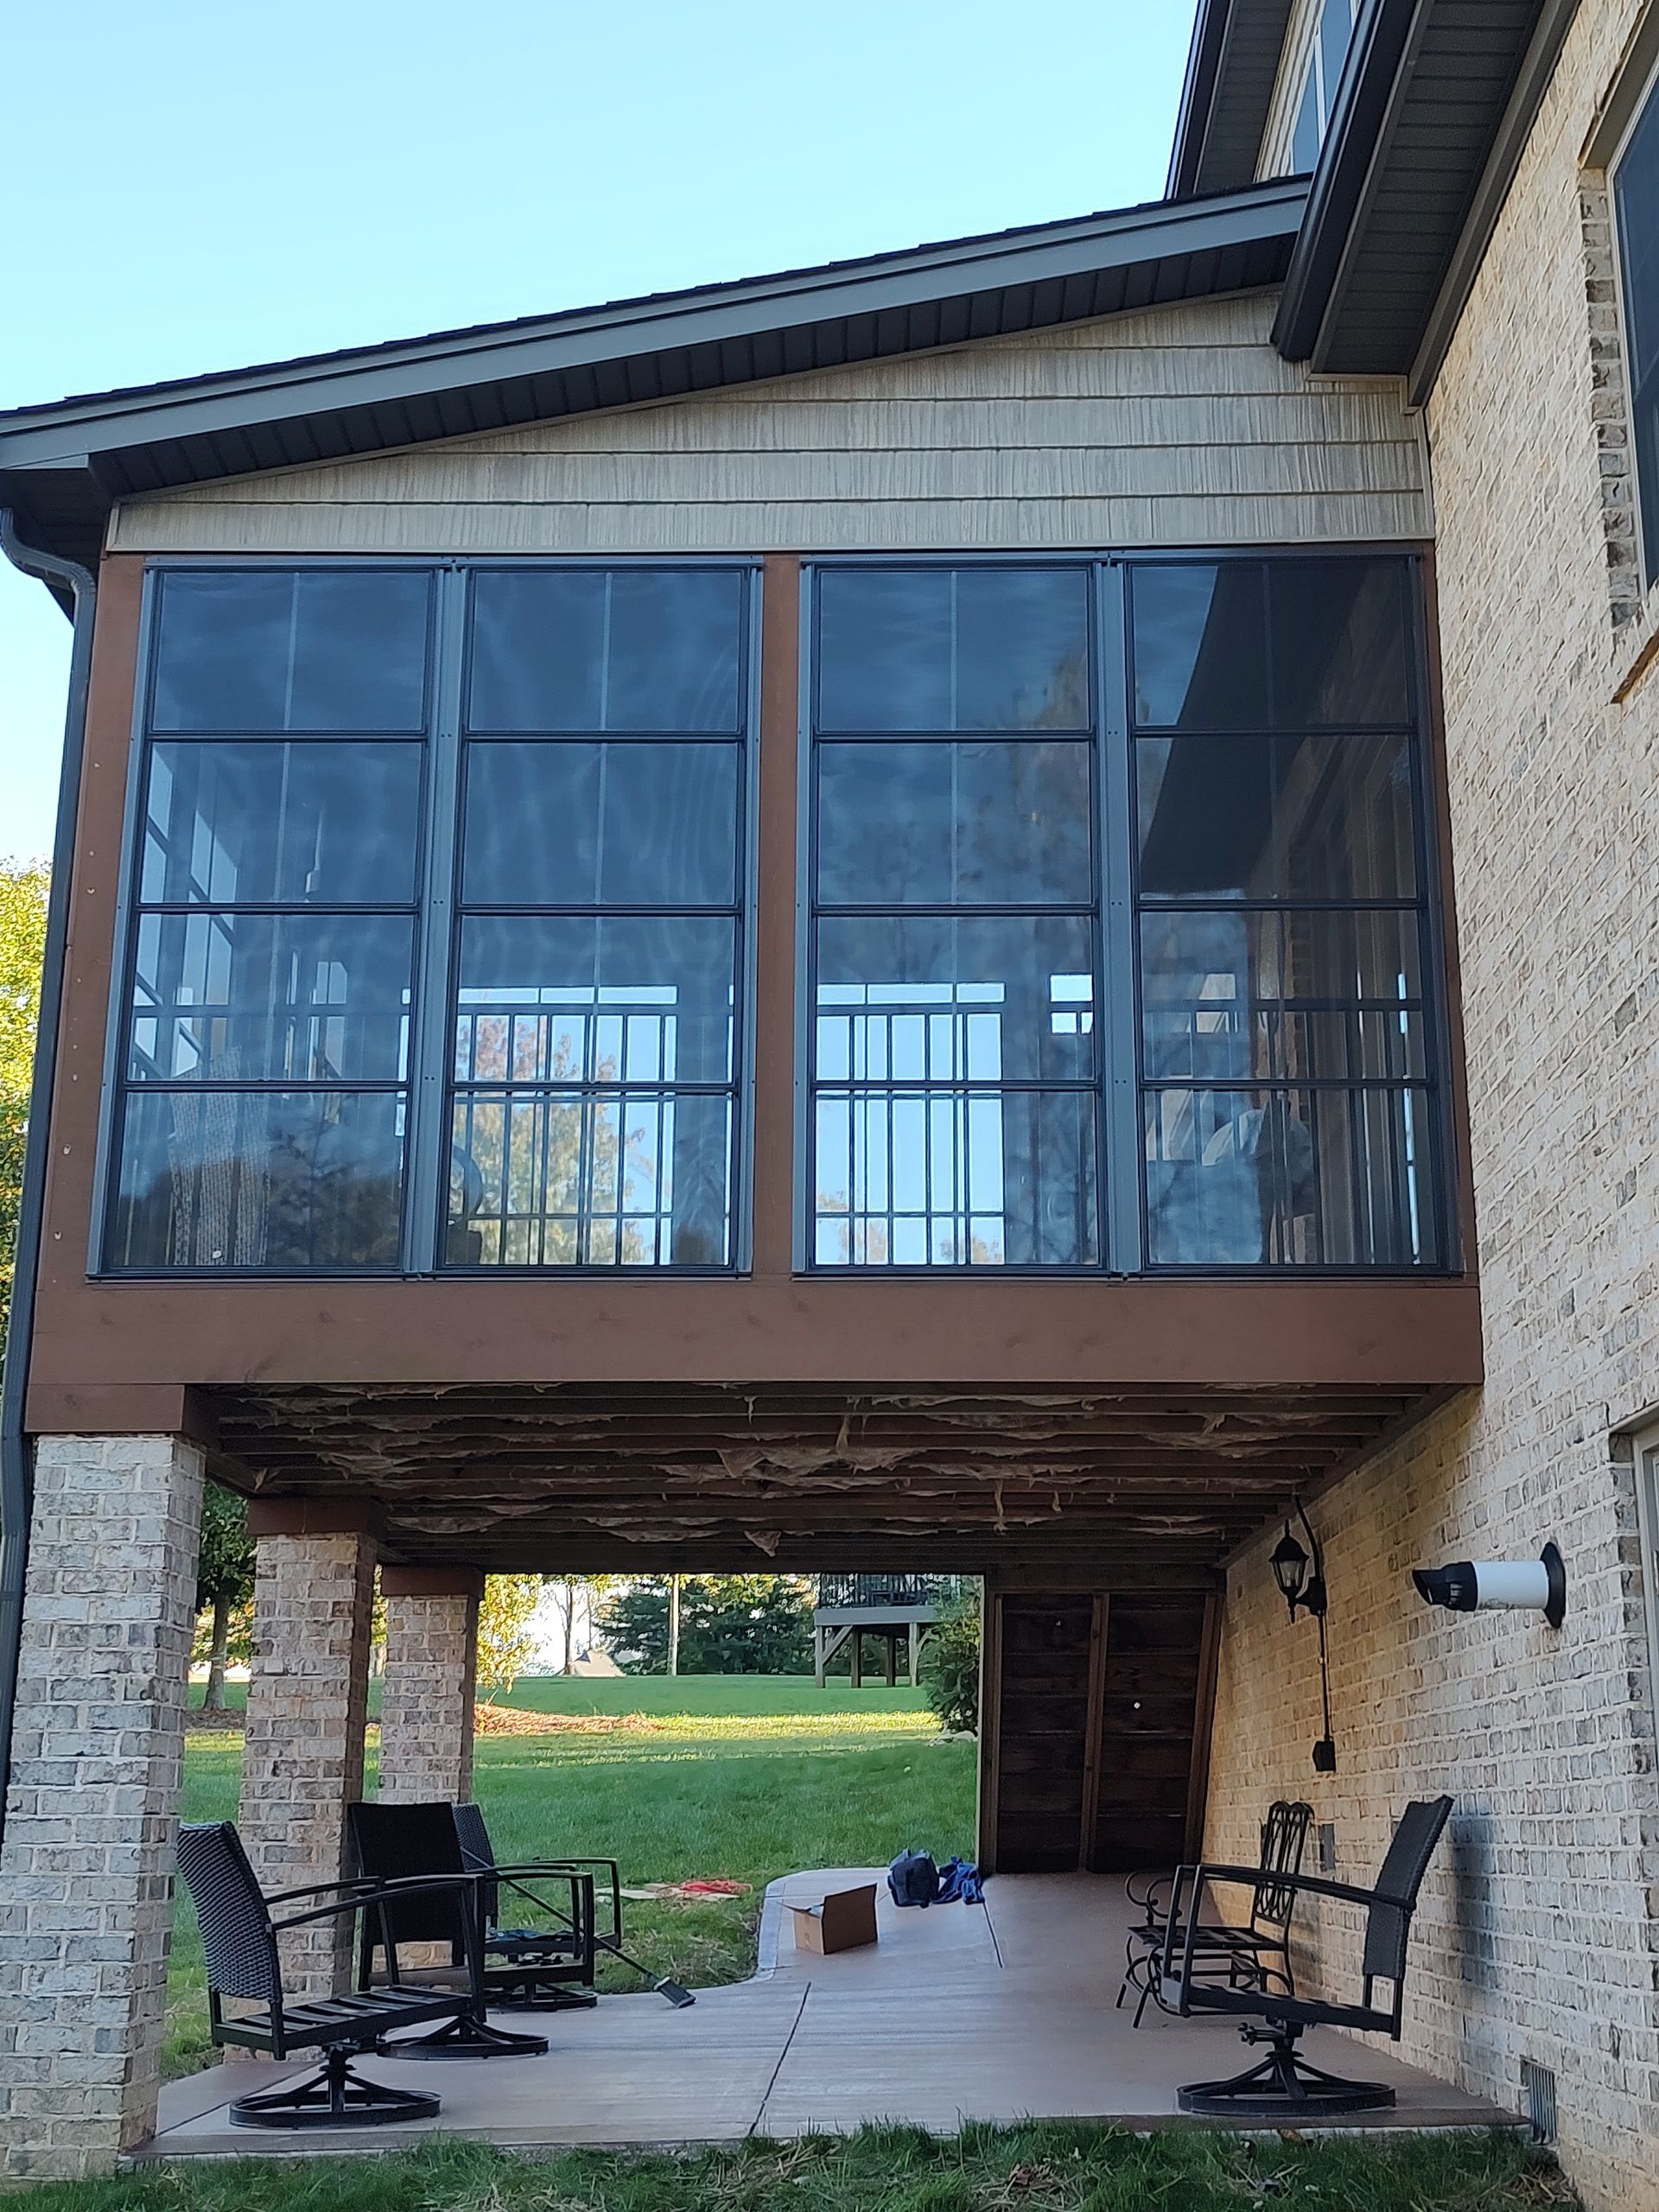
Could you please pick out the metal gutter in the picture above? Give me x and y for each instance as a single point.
(16, 1460)
(1498, 176)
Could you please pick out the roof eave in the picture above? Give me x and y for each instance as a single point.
(61, 464)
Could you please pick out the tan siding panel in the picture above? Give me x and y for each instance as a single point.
(1181, 425)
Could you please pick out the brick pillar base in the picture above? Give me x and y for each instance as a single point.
(426, 1699)
(307, 1704)
(85, 1906)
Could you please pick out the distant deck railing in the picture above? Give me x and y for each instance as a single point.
(902, 1591)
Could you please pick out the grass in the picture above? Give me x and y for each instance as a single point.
(748, 1776)
(1048, 2167)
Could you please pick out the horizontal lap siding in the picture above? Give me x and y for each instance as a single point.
(1171, 427)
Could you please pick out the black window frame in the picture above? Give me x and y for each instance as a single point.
(436, 915)
(1641, 393)
(1120, 1182)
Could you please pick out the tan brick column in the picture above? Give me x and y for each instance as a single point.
(85, 1906)
(307, 1704)
(426, 1699)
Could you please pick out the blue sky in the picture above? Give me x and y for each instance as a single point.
(198, 187)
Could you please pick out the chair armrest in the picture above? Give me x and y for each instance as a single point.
(370, 1894)
(1316, 1884)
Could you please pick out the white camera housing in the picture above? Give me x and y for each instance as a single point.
(1482, 1586)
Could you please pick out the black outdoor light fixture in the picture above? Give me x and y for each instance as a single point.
(1300, 1577)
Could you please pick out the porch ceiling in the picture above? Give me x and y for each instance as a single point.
(587, 1476)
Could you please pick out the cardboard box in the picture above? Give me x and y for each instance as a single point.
(838, 1922)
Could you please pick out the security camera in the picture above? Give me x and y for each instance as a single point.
(1475, 1585)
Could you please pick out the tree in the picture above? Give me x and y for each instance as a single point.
(952, 1667)
(729, 1623)
(567, 1589)
(506, 1640)
(23, 888)
(224, 1583)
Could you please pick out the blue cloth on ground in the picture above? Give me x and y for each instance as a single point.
(959, 1883)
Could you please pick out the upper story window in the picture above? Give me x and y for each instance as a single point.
(437, 922)
(1333, 28)
(1635, 201)
(1119, 919)
(266, 1059)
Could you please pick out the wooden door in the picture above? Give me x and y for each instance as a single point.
(1094, 1743)
(1151, 1748)
(1047, 1641)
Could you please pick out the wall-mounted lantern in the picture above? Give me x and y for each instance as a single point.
(1300, 1577)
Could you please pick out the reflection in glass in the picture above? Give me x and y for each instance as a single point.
(953, 649)
(945, 825)
(1341, 654)
(288, 1182)
(630, 1179)
(951, 1178)
(316, 825)
(605, 649)
(292, 649)
(566, 1000)
(1335, 631)
(257, 998)
(930, 999)
(574, 824)
(1277, 1177)
(1275, 817)
(1200, 634)
(1240, 996)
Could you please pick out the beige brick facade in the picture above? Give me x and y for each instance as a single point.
(426, 1702)
(1538, 1938)
(85, 1895)
(308, 1706)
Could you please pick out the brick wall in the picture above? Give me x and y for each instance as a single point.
(86, 1890)
(1537, 1938)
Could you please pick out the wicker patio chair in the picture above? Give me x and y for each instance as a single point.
(544, 1968)
(1283, 2088)
(238, 1936)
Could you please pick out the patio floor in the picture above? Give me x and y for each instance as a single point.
(962, 2013)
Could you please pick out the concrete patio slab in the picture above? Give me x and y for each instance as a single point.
(1001, 2011)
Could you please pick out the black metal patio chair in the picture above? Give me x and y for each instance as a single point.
(1284, 2088)
(544, 1969)
(1247, 1954)
(238, 1936)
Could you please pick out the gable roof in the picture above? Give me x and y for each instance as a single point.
(1433, 108)
(1232, 66)
(63, 466)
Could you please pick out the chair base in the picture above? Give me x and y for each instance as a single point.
(1283, 2088)
(334, 2097)
(526, 1993)
(465, 2037)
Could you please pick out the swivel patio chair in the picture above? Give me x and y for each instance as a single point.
(546, 1968)
(1283, 2088)
(1247, 1954)
(238, 1936)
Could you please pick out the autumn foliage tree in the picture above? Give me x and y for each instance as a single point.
(22, 947)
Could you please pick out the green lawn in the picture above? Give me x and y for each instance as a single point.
(1053, 2167)
(740, 1776)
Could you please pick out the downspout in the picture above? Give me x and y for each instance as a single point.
(16, 1458)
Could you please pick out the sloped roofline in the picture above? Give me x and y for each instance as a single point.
(62, 466)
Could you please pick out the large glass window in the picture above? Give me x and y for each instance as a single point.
(597, 979)
(1635, 199)
(1332, 32)
(983, 1023)
(955, 953)
(266, 1052)
(1285, 1062)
